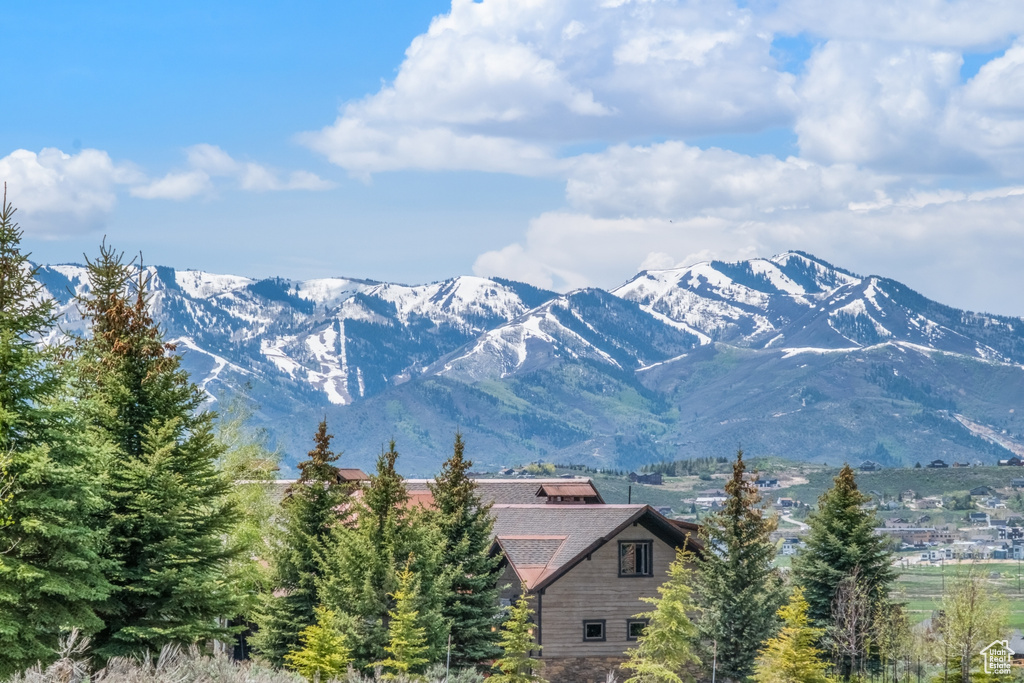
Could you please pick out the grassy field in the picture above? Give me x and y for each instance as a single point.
(922, 587)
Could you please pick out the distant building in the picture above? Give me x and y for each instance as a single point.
(1017, 482)
(785, 503)
(654, 478)
(983, 491)
(1013, 461)
(928, 503)
(917, 535)
(937, 464)
(767, 483)
(869, 466)
(978, 518)
(791, 545)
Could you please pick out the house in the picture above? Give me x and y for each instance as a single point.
(784, 503)
(709, 498)
(978, 518)
(587, 566)
(928, 503)
(908, 496)
(654, 478)
(983, 491)
(767, 483)
(1012, 461)
(869, 466)
(554, 491)
(935, 464)
(1017, 482)
(917, 535)
(791, 545)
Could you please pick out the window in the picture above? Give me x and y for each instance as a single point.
(635, 628)
(593, 629)
(635, 558)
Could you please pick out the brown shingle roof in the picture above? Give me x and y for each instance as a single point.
(508, 491)
(570, 490)
(543, 541)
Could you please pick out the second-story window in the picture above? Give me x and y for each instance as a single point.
(635, 558)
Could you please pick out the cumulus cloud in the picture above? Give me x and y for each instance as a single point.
(61, 194)
(208, 162)
(959, 24)
(64, 193)
(503, 85)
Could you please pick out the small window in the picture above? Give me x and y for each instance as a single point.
(635, 628)
(635, 558)
(593, 630)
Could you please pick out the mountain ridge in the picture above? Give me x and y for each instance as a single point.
(611, 378)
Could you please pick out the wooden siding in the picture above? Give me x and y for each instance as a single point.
(593, 590)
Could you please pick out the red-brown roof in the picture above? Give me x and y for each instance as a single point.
(571, 490)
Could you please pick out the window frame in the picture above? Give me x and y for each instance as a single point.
(630, 622)
(604, 630)
(650, 559)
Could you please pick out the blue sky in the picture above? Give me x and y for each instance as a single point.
(564, 142)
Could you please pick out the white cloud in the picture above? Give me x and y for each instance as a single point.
(673, 179)
(502, 85)
(175, 186)
(208, 162)
(60, 193)
(960, 24)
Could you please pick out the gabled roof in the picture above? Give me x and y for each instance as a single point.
(509, 491)
(543, 542)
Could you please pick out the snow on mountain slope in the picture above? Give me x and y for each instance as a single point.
(587, 324)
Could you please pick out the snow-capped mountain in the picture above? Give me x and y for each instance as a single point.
(789, 354)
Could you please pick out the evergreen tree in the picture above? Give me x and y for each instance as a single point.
(168, 508)
(323, 653)
(360, 569)
(470, 605)
(791, 656)
(51, 574)
(841, 541)
(738, 589)
(407, 640)
(515, 664)
(310, 512)
(665, 651)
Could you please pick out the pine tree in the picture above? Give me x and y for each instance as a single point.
(471, 601)
(359, 574)
(407, 640)
(168, 509)
(310, 512)
(841, 541)
(791, 656)
(515, 664)
(738, 589)
(323, 653)
(51, 574)
(665, 651)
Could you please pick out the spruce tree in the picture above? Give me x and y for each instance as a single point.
(792, 656)
(323, 653)
(168, 508)
(665, 653)
(470, 604)
(515, 664)
(407, 639)
(842, 541)
(738, 589)
(310, 511)
(361, 567)
(51, 574)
